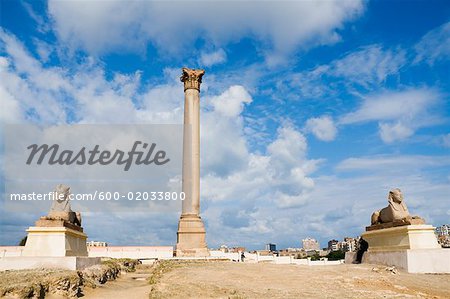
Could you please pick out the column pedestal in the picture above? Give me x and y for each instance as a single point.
(191, 237)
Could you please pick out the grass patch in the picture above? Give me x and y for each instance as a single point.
(162, 267)
(123, 264)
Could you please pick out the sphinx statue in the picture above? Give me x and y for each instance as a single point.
(395, 214)
(59, 234)
(61, 209)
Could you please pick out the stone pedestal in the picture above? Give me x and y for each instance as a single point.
(412, 260)
(413, 248)
(401, 237)
(52, 244)
(191, 237)
(55, 241)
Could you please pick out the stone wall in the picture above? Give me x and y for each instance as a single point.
(132, 252)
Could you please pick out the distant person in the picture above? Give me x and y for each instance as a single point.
(363, 246)
(242, 257)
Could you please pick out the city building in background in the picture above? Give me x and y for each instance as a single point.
(442, 234)
(224, 248)
(310, 244)
(348, 244)
(96, 244)
(271, 247)
(237, 249)
(333, 245)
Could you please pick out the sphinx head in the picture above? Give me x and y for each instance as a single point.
(62, 192)
(395, 195)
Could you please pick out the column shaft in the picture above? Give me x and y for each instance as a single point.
(191, 153)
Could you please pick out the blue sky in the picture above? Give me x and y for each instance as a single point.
(311, 111)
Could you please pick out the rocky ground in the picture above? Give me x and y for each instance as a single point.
(45, 283)
(171, 279)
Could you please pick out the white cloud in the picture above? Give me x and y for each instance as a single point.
(212, 58)
(322, 127)
(11, 111)
(113, 25)
(434, 46)
(399, 113)
(370, 64)
(390, 132)
(224, 148)
(43, 49)
(280, 177)
(59, 95)
(393, 164)
(232, 101)
(27, 87)
(392, 105)
(366, 67)
(289, 147)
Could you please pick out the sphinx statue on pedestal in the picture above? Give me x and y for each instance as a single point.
(61, 213)
(395, 214)
(61, 209)
(59, 234)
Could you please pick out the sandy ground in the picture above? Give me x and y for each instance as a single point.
(237, 280)
(242, 280)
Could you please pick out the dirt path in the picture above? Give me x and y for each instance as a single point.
(129, 285)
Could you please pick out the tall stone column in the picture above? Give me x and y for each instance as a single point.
(191, 230)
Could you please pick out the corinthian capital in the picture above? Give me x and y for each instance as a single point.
(192, 78)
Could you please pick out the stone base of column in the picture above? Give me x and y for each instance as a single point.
(191, 237)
